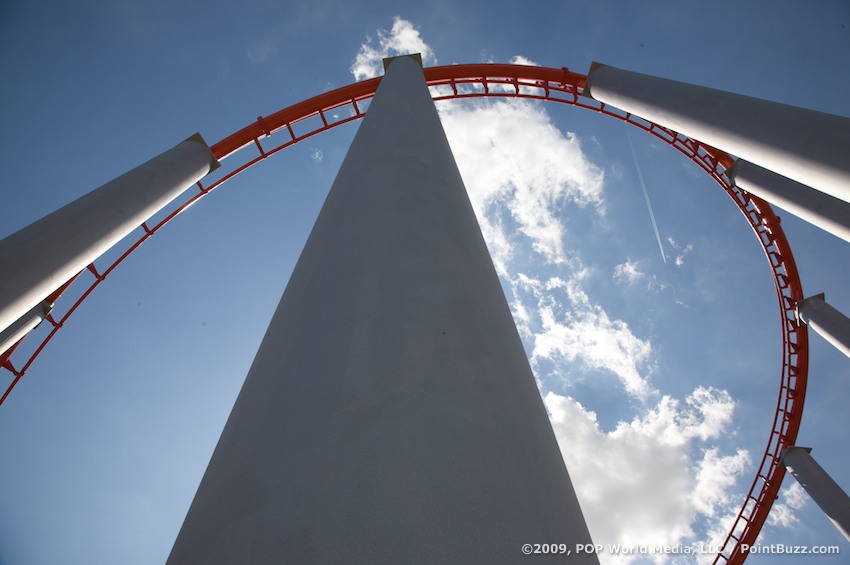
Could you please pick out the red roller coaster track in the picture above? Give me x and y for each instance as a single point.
(319, 114)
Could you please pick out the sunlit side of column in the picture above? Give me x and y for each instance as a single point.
(822, 210)
(804, 145)
(831, 324)
(819, 485)
(38, 259)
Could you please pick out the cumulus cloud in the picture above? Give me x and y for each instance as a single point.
(628, 272)
(509, 153)
(636, 483)
(513, 158)
(317, 155)
(402, 39)
(569, 328)
(520, 60)
(715, 479)
(792, 498)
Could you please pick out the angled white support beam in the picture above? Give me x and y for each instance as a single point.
(822, 210)
(38, 259)
(819, 485)
(831, 324)
(390, 415)
(809, 147)
(26, 323)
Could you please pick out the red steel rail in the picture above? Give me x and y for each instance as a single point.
(322, 112)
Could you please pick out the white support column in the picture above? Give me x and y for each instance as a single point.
(831, 324)
(806, 146)
(824, 491)
(390, 415)
(24, 325)
(38, 259)
(822, 210)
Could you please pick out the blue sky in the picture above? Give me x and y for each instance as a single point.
(660, 376)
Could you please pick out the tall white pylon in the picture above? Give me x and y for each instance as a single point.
(390, 415)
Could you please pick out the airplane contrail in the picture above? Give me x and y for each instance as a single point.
(646, 197)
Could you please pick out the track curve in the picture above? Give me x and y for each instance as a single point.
(299, 122)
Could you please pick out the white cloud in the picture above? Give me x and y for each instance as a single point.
(520, 60)
(636, 483)
(317, 155)
(714, 480)
(681, 252)
(509, 153)
(718, 529)
(628, 272)
(569, 328)
(402, 39)
(792, 498)
(511, 157)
